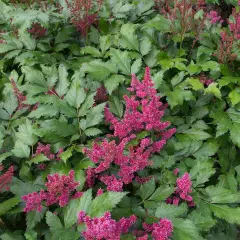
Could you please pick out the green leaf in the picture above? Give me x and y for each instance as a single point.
(34, 217)
(88, 103)
(160, 23)
(105, 202)
(63, 83)
(21, 150)
(33, 75)
(53, 222)
(231, 215)
(91, 50)
(90, 132)
(212, 88)
(235, 133)
(75, 206)
(162, 193)
(234, 96)
(136, 66)
(28, 41)
(98, 69)
(201, 172)
(209, 148)
(195, 83)
(3, 156)
(122, 60)
(58, 127)
(203, 223)
(170, 211)
(8, 204)
(116, 106)
(30, 235)
(51, 74)
(46, 111)
(147, 189)
(129, 39)
(210, 65)
(185, 230)
(113, 82)
(105, 43)
(38, 159)
(95, 115)
(25, 134)
(222, 195)
(145, 46)
(76, 95)
(196, 134)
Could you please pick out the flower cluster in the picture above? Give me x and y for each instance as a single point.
(184, 188)
(59, 190)
(6, 178)
(19, 95)
(37, 31)
(82, 14)
(214, 17)
(235, 25)
(46, 151)
(143, 113)
(203, 79)
(101, 95)
(160, 231)
(105, 227)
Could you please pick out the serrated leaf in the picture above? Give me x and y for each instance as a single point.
(30, 235)
(185, 230)
(105, 202)
(91, 50)
(76, 95)
(95, 115)
(38, 159)
(34, 217)
(75, 206)
(46, 111)
(147, 189)
(170, 211)
(162, 193)
(129, 39)
(105, 43)
(145, 46)
(90, 132)
(231, 215)
(160, 23)
(53, 222)
(234, 96)
(8, 204)
(195, 83)
(88, 103)
(201, 171)
(122, 60)
(58, 127)
(21, 150)
(136, 66)
(112, 82)
(63, 81)
(222, 195)
(33, 75)
(196, 134)
(51, 74)
(116, 106)
(212, 88)
(3, 156)
(98, 69)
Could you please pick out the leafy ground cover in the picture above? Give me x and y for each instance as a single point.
(119, 119)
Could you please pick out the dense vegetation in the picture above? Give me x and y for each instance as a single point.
(119, 119)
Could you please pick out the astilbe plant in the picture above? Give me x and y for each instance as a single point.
(6, 178)
(105, 227)
(83, 14)
(60, 189)
(143, 113)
